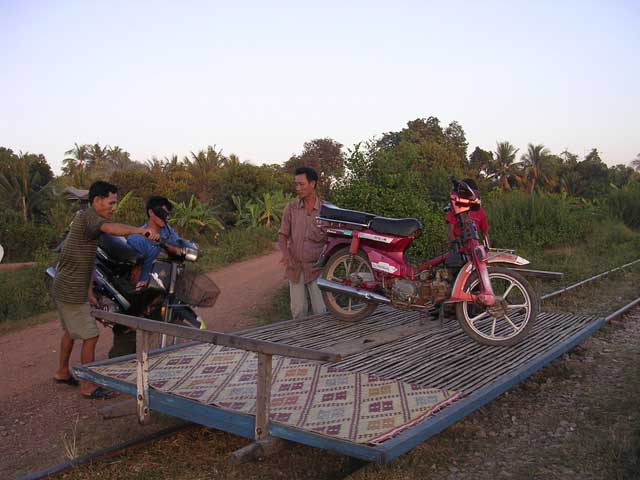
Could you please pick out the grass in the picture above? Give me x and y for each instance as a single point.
(275, 310)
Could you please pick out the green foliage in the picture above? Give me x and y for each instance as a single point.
(325, 156)
(624, 204)
(234, 245)
(130, 210)
(265, 211)
(23, 293)
(21, 240)
(194, 217)
(519, 220)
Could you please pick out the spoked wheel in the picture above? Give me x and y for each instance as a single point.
(509, 320)
(158, 340)
(351, 270)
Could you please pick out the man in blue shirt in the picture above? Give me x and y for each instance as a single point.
(158, 209)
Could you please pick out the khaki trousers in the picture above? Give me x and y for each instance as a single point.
(298, 295)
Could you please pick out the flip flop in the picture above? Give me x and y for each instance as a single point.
(71, 381)
(100, 393)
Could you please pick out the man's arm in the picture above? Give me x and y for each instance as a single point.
(125, 230)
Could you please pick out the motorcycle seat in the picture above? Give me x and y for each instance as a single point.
(402, 227)
(118, 249)
(336, 214)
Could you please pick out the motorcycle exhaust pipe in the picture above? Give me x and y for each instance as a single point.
(334, 287)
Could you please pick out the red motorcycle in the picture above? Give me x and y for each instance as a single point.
(364, 266)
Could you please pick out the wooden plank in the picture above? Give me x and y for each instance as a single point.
(142, 377)
(263, 397)
(228, 340)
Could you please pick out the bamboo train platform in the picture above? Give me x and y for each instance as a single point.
(395, 379)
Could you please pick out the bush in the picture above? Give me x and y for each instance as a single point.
(400, 203)
(518, 220)
(23, 293)
(234, 245)
(22, 240)
(625, 205)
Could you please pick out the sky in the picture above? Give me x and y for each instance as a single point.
(260, 78)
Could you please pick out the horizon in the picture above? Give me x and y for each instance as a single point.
(259, 81)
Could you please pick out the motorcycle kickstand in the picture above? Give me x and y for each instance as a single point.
(441, 315)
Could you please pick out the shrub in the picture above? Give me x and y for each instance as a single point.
(398, 203)
(519, 220)
(21, 240)
(625, 205)
(23, 293)
(234, 245)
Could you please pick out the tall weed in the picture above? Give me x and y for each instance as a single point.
(518, 220)
(625, 205)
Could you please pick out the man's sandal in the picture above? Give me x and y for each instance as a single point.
(71, 381)
(100, 393)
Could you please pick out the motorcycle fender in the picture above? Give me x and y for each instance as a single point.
(189, 316)
(457, 293)
(329, 249)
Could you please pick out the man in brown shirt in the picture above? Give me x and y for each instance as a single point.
(72, 288)
(301, 241)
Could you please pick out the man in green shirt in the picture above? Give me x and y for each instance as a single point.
(72, 288)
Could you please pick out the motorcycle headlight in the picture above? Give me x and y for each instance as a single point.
(190, 254)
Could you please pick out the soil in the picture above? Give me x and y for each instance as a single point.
(40, 419)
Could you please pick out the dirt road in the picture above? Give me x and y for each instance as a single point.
(36, 415)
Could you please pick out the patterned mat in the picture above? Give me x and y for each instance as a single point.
(356, 407)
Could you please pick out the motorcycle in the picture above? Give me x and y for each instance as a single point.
(171, 295)
(364, 266)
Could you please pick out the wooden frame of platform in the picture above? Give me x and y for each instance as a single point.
(554, 335)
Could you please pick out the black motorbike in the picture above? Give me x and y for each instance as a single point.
(171, 296)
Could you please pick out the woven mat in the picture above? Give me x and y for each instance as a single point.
(351, 406)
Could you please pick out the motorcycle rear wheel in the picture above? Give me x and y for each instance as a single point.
(512, 316)
(340, 267)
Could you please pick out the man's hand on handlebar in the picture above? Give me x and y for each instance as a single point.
(149, 234)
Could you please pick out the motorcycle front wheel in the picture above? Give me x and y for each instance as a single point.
(343, 267)
(510, 319)
(159, 340)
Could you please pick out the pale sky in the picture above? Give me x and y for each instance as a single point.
(260, 78)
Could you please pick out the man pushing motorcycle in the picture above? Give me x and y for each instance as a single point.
(72, 287)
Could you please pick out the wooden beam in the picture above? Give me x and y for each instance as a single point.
(263, 397)
(142, 396)
(225, 339)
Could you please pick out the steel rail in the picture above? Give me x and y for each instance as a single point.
(587, 280)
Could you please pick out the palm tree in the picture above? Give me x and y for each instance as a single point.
(77, 160)
(21, 186)
(503, 165)
(537, 166)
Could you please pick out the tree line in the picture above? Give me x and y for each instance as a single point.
(401, 173)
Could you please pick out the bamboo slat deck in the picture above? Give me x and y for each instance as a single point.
(394, 345)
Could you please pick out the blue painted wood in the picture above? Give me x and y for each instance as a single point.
(180, 407)
(450, 415)
(356, 450)
(232, 422)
